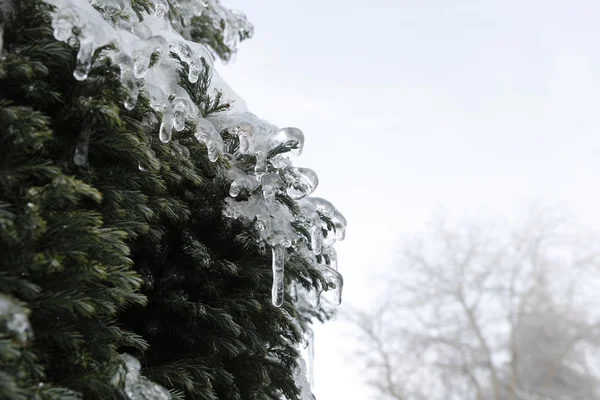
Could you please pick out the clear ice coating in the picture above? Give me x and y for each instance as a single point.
(142, 38)
(260, 174)
(314, 230)
(137, 387)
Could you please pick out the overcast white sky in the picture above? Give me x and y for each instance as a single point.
(477, 106)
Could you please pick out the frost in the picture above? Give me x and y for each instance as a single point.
(266, 189)
(15, 319)
(137, 387)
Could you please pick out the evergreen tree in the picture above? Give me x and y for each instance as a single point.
(114, 241)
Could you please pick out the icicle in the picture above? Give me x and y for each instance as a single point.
(278, 289)
(301, 182)
(315, 295)
(301, 381)
(81, 150)
(1, 38)
(310, 337)
(183, 107)
(316, 239)
(334, 281)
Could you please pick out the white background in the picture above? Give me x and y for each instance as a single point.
(407, 106)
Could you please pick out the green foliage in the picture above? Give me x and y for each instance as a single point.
(129, 252)
(62, 253)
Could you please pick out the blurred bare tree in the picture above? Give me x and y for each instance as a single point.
(484, 313)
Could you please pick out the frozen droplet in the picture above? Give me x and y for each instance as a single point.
(329, 235)
(130, 103)
(289, 137)
(179, 119)
(206, 133)
(315, 295)
(166, 128)
(278, 288)
(339, 221)
(234, 189)
(83, 63)
(194, 72)
(335, 282)
(141, 167)
(301, 182)
(128, 81)
(82, 148)
(323, 206)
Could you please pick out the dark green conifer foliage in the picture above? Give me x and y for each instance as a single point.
(78, 242)
(64, 251)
